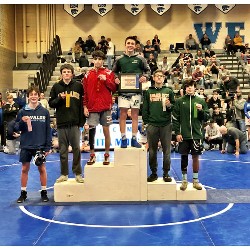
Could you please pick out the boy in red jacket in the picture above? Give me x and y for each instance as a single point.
(98, 84)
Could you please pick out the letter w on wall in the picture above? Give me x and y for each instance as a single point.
(208, 30)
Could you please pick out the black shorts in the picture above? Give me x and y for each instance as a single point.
(26, 155)
(190, 146)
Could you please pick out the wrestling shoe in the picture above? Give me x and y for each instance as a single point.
(44, 196)
(91, 160)
(22, 197)
(106, 159)
(135, 143)
(79, 178)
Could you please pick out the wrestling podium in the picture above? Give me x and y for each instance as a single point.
(125, 179)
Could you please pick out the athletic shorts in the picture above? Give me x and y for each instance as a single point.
(26, 155)
(104, 118)
(133, 101)
(190, 146)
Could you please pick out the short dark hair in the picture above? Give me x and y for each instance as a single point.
(33, 88)
(158, 71)
(131, 38)
(67, 66)
(188, 83)
(98, 53)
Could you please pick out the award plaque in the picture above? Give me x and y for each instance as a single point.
(129, 83)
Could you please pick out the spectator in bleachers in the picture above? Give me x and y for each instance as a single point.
(238, 43)
(152, 63)
(223, 71)
(139, 48)
(104, 44)
(214, 64)
(81, 42)
(164, 66)
(2, 102)
(83, 61)
(217, 116)
(176, 76)
(213, 135)
(187, 73)
(214, 102)
(43, 101)
(201, 65)
(76, 52)
(239, 103)
(85, 147)
(148, 49)
(205, 42)
(179, 60)
(235, 140)
(191, 43)
(198, 77)
(110, 52)
(228, 46)
(90, 45)
(157, 44)
(229, 86)
(247, 114)
(199, 56)
(188, 56)
(208, 82)
(208, 53)
(202, 94)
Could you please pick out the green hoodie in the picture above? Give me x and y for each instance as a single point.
(187, 120)
(153, 111)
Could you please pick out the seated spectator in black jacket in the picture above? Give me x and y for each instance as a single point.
(218, 117)
(205, 42)
(83, 61)
(229, 86)
(214, 102)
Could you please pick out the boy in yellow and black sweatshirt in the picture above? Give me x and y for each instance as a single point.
(156, 114)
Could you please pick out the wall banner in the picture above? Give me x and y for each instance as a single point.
(102, 9)
(225, 8)
(160, 9)
(197, 8)
(73, 9)
(134, 9)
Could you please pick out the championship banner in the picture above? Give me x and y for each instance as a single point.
(225, 8)
(102, 9)
(73, 9)
(160, 8)
(134, 9)
(197, 8)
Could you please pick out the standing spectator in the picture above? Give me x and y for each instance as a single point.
(205, 42)
(156, 114)
(10, 110)
(43, 101)
(99, 84)
(115, 113)
(239, 103)
(235, 140)
(66, 98)
(157, 44)
(89, 45)
(110, 53)
(191, 43)
(247, 114)
(33, 121)
(189, 113)
(130, 62)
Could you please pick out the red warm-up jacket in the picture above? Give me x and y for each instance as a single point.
(98, 93)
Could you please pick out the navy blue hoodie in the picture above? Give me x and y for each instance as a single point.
(40, 136)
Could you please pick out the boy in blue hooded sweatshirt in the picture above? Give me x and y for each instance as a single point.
(33, 120)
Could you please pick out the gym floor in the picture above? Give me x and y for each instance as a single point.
(222, 220)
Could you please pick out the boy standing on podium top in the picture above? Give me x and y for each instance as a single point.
(98, 84)
(157, 108)
(130, 62)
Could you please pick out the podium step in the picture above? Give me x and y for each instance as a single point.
(191, 193)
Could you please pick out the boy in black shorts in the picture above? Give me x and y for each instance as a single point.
(188, 115)
(34, 123)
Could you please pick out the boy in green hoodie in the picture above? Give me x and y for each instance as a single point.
(156, 114)
(189, 113)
